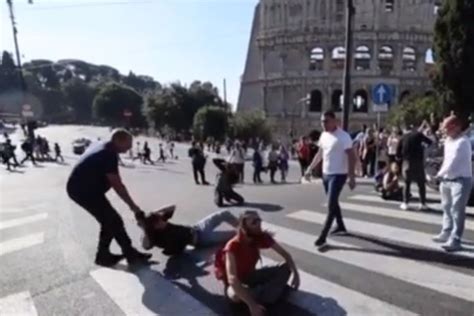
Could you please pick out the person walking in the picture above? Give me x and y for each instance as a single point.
(411, 153)
(162, 156)
(198, 161)
(57, 151)
(392, 145)
(303, 151)
(27, 148)
(369, 147)
(338, 160)
(257, 165)
(283, 158)
(147, 154)
(455, 175)
(237, 158)
(272, 162)
(93, 175)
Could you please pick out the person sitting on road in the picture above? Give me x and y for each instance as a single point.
(391, 189)
(173, 238)
(228, 177)
(235, 265)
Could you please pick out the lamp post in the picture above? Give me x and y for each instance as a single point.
(346, 89)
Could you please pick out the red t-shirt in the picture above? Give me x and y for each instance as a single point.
(303, 151)
(246, 254)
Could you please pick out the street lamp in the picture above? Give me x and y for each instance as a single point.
(346, 89)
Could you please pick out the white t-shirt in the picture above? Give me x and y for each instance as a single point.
(457, 158)
(334, 146)
(392, 144)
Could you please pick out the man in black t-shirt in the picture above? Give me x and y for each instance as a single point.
(411, 153)
(94, 174)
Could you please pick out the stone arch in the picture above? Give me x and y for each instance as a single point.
(404, 95)
(385, 57)
(316, 58)
(409, 58)
(360, 101)
(429, 56)
(389, 5)
(336, 100)
(338, 55)
(362, 57)
(316, 101)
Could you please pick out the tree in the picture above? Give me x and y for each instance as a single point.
(163, 112)
(211, 121)
(113, 100)
(8, 73)
(414, 111)
(248, 125)
(454, 56)
(79, 96)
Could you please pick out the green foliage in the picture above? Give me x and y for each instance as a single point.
(248, 125)
(414, 111)
(80, 96)
(211, 121)
(454, 56)
(113, 100)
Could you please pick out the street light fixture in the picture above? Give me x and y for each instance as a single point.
(346, 89)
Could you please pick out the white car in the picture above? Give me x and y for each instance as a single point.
(80, 145)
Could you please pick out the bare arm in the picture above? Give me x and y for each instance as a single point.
(351, 158)
(241, 291)
(118, 186)
(316, 160)
(289, 260)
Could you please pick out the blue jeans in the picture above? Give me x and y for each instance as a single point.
(454, 197)
(333, 185)
(205, 228)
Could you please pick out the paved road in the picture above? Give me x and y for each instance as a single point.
(387, 266)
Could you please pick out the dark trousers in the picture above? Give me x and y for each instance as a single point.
(414, 171)
(268, 284)
(304, 165)
(368, 164)
(111, 224)
(228, 195)
(240, 169)
(273, 169)
(199, 170)
(256, 174)
(333, 185)
(29, 156)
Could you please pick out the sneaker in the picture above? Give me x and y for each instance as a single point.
(338, 231)
(320, 242)
(452, 246)
(136, 258)
(441, 238)
(108, 259)
(423, 207)
(404, 206)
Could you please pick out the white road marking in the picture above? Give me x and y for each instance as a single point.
(420, 217)
(324, 298)
(4, 224)
(382, 231)
(21, 243)
(18, 304)
(146, 292)
(420, 274)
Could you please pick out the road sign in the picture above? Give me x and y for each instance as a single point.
(381, 94)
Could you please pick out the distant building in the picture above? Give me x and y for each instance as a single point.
(296, 50)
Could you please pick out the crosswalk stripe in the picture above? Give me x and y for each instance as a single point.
(431, 277)
(20, 243)
(22, 221)
(131, 291)
(333, 299)
(377, 199)
(426, 218)
(383, 231)
(18, 304)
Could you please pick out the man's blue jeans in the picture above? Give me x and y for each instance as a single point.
(454, 197)
(333, 185)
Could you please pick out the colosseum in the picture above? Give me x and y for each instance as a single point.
(295, 59)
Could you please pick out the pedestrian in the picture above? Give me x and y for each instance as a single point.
(283, 158)
(236, 266)
(455, 175)
(147, 154)
(94, 174)
(391, 189)
(171, 150)
(392, 144)
(27, 148)
(303, 152)
(162, 156)
(173, 238)
(338, 160)
(273, 162)
(57, 151)
(411, 153)
(237, 158)
(7, 151)
(198, 162)
(257, 160)
(369, 154)
(226, 180)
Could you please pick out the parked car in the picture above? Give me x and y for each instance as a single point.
(80, 145)
(433, 164)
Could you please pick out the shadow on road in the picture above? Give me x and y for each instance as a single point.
(266, 207)
(413, 253)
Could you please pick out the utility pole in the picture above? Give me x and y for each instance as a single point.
(346, 89)
(225, 91)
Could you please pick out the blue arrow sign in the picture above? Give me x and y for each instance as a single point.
(381, 94)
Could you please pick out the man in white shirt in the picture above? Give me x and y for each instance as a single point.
(338, 158)
(455, 175)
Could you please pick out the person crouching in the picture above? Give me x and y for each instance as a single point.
(228, 177)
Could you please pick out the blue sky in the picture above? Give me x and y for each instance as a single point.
(168, 39)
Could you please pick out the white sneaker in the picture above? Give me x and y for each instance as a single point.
(452, 246)
(423, 207)
(441, 238)
(404, 206)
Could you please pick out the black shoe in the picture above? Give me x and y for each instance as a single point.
(108, 259)
(136, 258)
(205, 183)
(339, 231)
(320, 242)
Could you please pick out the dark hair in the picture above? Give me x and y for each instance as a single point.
(329, 114)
